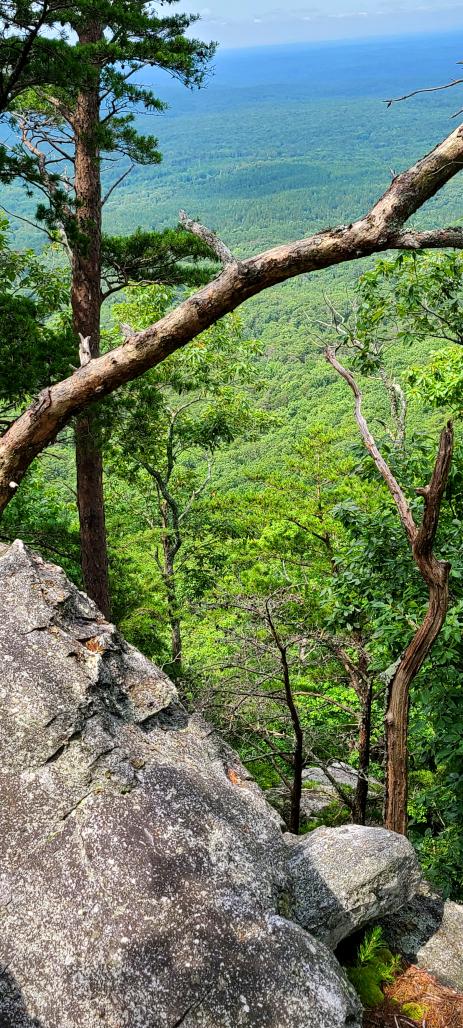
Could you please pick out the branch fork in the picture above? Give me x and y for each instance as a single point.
(221, 250)
(435, 574)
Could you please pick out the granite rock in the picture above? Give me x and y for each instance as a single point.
(429, 932)
(347, 877)
(144, 880)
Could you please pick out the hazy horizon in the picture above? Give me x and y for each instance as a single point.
(258, 23)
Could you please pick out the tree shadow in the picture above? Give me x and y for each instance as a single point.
(414, 925)
(195, 940)
(13, 1013)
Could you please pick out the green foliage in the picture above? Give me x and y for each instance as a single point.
(414, 1011)
(371, 945)
(172, 257)
(419, 293)
(36, 344)
(133, 36)
(367, 983)
(374, 967)
(440, 383)
(29, 53)
(334, 815)
(163, 436)
(293, 502)
(441, 856)
(417, 296)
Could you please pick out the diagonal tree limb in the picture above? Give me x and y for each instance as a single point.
(451, 237)
(380, 229)
(418, 92)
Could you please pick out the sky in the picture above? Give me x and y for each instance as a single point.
(237, 23)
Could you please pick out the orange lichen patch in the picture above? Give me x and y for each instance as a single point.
(94, 645)
(232, 775)
(441, 1007)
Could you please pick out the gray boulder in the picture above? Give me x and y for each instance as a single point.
(314, 802)
(342, 773)
(143, 878)
(319, 795)
(429, 932)
(345, 878)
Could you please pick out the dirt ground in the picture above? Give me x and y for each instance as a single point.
(441, 1007)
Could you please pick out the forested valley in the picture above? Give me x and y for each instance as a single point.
(271, 552)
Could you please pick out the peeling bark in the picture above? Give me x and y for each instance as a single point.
(436, 575)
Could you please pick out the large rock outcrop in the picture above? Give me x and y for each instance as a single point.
(141, 871)
(144, 880)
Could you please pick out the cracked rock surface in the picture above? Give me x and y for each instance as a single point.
(143, 878)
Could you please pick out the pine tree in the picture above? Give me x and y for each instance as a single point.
(69, 126)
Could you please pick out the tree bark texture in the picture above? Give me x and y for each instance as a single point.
(359, 810)
(436, 575)
(86, 310)
(90, 502)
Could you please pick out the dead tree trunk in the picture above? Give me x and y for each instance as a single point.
(298, 752)
(171, 543)
(435, 573)
(86, 310)
(359, 809)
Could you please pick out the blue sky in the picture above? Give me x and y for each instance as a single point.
(252, 22)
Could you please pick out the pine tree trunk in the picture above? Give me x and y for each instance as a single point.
(86, 309)
(90, 501)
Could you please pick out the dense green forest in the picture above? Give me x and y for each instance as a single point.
(254, 551)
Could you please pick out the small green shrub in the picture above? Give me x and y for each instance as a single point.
(331, 817)
(375, 966)
(414, 1011)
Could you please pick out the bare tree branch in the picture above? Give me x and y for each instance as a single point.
(218, 247)
(417, 92)
(117, 183)
(398, 496)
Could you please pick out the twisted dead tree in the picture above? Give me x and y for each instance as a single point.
(435, 574)
(382, 228)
